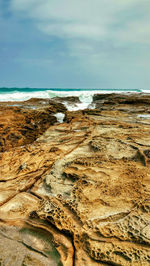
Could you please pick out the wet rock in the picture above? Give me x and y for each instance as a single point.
(68, 99)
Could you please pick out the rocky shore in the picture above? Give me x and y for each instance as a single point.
(77, 192)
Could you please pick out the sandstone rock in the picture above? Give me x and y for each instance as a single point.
(84, 187)
(22, 122)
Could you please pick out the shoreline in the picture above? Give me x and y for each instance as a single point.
(16, 94)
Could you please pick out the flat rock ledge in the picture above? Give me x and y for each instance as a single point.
(77, 192)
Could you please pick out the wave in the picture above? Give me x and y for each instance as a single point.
(22, 96)
(15, 94)
(85, 95)
(145, 91)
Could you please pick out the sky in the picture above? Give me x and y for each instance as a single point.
(75, 43)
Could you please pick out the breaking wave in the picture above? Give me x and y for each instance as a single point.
(85, 95)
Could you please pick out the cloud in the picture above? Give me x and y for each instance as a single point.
(101, 34)
(89, 20)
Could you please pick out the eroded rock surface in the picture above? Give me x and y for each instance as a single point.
(22, 122)
(80, 193)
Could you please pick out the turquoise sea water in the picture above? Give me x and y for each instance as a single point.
(11, 90)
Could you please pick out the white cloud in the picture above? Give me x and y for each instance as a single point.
(97, 32)
(92, 19)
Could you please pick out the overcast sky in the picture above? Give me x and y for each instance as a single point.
(75, 43)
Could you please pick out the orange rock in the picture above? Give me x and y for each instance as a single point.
(86, 183)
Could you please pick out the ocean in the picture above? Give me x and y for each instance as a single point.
(85, 95)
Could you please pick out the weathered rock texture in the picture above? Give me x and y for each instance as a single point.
(80, 193)
(22, 122)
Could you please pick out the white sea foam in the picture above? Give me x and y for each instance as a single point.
(60, 117)
(85, 96)
(22, 96)
(145, 116)
(145, 91)
(85, 102)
